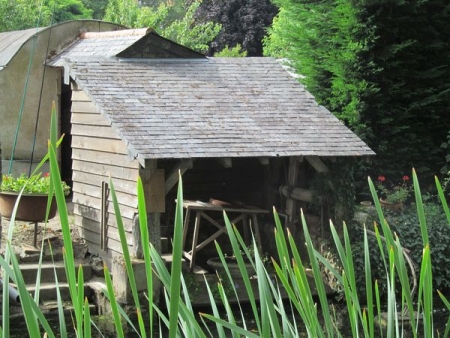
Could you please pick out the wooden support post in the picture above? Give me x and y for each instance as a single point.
(292, 181)
(154, 191)
(264, 160)
(226, 162)
(195, 240)
(137, 248)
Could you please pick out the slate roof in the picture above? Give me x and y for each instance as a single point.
(212, 107)
(104, 44)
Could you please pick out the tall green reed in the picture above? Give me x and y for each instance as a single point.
(286, 302)
(34, 317)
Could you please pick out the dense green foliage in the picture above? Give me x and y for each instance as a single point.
(98, 8)
(337, 188)
(23, 14)
(35, 184)
(317, 38)
(234, 52)
(243, 22)
(380, 66)
(175, 22)
(405, 224)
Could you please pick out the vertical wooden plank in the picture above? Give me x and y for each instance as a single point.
(137, 248)
(186, 226)
(154, 190)
(104, 218)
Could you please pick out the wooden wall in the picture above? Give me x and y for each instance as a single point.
(97, 154)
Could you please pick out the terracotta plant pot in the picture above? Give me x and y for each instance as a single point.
(31, 208)
(391, 206)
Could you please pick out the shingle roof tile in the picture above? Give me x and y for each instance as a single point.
(217, 107)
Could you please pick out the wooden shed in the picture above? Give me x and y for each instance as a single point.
(241, 130)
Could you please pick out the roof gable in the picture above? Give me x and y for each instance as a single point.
(153, 45)
(128, 43)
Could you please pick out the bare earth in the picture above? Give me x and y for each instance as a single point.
(51, 233)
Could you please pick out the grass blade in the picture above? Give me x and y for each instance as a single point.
(113, 303)
(87, 319)
(232, 327)
(177, 253)
(369, 328)
(143, 224)
(127, 257)
(232, 233)
(443, 199)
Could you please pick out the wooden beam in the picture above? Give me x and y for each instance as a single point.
(298, 194)
(317, 164)
(292, 181)
(172, 178)
(153, 182)
(264, 160)
(226, 162)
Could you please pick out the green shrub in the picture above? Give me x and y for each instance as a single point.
(406, 225)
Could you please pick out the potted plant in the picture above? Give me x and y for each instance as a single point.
(393, 195)
(33, 202)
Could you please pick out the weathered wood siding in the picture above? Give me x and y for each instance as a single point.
(98, 153)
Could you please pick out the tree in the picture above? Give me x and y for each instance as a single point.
(183, 30)
(317, 39)
(380, 66)
(65, 10)
(243, 22)
(407, 63)
(98, 7)
(17, 15)
(235, 52)
(23, 14)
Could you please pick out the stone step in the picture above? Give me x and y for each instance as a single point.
(47, 292)
(168, 258)
(48, 270)
(30, 254)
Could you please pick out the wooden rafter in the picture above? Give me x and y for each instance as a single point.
(180, 167)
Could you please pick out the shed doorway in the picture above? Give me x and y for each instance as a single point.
(66, 145)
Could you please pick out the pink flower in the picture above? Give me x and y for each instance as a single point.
(381, 178)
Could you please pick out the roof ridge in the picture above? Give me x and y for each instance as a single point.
(117, 33)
